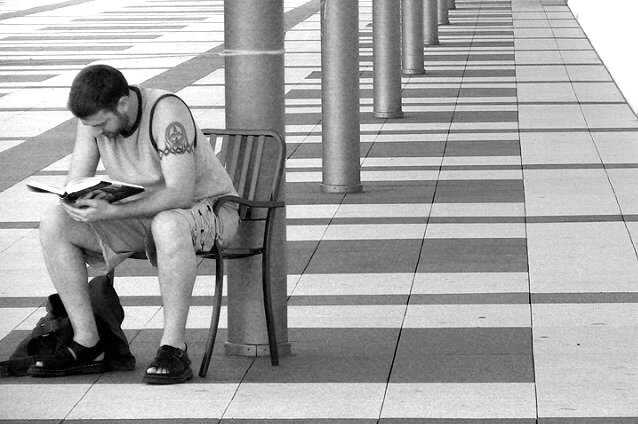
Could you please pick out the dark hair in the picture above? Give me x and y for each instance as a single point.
(96, 88)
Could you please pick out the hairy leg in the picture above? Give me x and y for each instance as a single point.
(62, 240)
(177, 268)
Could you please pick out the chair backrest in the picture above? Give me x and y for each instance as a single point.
(254, 159)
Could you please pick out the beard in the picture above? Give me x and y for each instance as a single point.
(122, 126)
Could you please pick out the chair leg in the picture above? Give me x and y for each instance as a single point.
(214, 322)
(270, 322)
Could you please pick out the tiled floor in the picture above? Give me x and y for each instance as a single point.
(487, 273)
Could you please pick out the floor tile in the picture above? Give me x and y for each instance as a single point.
(580, 257)
(622, 181)
(546, 92)
(609, 116)
(462, 369)
(616, 147)
(126, 401)
(538, 117)
(55, 400)
(301, 400)
(569, 192)
(469, 401)
(469, 283)
(354, 284)
(558, 148)
(473, 255)
(467, 316)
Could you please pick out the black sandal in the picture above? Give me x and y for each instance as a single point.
(74, 359)
(175, 361)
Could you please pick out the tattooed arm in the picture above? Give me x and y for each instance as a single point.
(174, 133)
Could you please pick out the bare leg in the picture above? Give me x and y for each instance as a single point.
(177, 268)
(62, 240)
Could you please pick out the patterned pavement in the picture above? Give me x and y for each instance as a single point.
(486, 274)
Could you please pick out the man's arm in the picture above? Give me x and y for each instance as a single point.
(85, 154)
(174, 133)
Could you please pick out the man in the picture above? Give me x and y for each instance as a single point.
(146, 137)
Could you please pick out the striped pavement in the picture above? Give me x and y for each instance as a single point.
(486, 274)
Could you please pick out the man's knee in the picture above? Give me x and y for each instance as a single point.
(54, 223)
(171, 231)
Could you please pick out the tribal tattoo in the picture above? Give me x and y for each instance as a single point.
(176, 140)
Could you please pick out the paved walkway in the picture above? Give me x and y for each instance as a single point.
(488, 272)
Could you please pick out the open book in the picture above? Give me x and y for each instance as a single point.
(101, 187)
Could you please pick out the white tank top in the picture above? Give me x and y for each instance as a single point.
(134, 158)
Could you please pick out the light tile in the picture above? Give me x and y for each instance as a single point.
(468, 316)
(306, 232)
(484, 209)
(609, 116)
(546, 92)
(354, 284)
(624, 183)
(13, 317)
(554, 73)
(580, 257)
(311, 211)
(55, 401)
(551, 117)
(374, 231)
(569, 192)
(127, 401)
(382, 210)
(616, 147)
(569, 400)
(475, 230)
(558, 148)
(469, 283)
(441, 401)
(307, 401)
(481, 175)
(598, 92)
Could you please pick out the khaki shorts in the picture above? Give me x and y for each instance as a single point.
(119, 239)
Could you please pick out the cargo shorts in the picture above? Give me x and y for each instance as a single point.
(120, 239)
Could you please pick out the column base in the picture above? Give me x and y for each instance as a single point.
(256, 350)
(394, 114)
(336, 188)
(413, 71)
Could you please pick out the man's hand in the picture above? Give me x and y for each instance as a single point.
(89, 210)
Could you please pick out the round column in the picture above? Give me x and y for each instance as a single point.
(254, 89)
(430, 22)
(386, 52)
(340, 97)
(412, 47)
(443, 12)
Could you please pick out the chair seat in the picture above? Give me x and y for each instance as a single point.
(231, 253)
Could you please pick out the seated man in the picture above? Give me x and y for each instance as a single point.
(147, 137)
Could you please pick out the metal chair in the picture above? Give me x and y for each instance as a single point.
(245, 154)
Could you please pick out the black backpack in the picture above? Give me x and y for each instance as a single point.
(54, 330)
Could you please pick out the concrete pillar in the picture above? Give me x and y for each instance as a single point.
(254, 70)
(340, 123)
(412, 47)
(451, 4)
(386, 52)
(430, 22)
(443, 12)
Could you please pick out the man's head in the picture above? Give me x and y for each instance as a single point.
(99, 97)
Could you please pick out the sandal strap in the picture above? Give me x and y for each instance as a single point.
(170, 358)
(73, 354)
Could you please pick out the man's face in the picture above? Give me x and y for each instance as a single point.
(107, 123)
